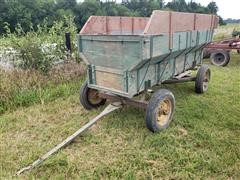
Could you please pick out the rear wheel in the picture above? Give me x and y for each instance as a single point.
(89, 97)
(160, 110)
(202, 79)
(220, 58)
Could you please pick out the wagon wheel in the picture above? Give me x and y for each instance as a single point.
(202, 79)
(220, 58)
(160, 110)
(89, 97)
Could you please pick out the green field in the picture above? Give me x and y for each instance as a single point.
(203, 141)
(223, 32)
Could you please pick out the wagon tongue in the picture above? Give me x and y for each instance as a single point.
(110, 108)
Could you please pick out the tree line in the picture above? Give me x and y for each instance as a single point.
(31, 13)
(230, 20)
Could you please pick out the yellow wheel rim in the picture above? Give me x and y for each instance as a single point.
(206, 81)
(164, 112)
(93, 96)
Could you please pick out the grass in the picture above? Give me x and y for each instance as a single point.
(203, 141)
(42, 95)
(223, 32)
(20, 88)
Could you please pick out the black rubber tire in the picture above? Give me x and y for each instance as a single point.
(220, 58)
(202, 79)
(84, 98)
(153, 109)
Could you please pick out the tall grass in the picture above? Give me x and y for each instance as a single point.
(26, 87)
(226, 31)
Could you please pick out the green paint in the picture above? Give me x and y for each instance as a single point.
(138, 59)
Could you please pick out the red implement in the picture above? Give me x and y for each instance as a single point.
(227, 44)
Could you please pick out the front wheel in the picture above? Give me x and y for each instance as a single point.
(160, 110)
(89, 97)
(202, 79)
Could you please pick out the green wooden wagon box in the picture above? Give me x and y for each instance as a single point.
(126, 56)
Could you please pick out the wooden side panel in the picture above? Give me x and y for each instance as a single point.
(146, 73)
(194, 36)
(118, 52)
(114, 25)
(109, 80)
(166, 70)
(158, 23)
(182, 22)
(126, 25)
(203, 37)
(179, 64)
(160, 47)
(189, 60)
(204, 22)
(139, 24)
(171, 22)
(94, 25)
(180, 41)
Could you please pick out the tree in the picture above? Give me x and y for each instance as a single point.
(3, 15)
(213, 8)
(114, 9)
(221, 22)
(25, 12)
(31, 13)
(178, 5)
(143, 7)
(86, 9)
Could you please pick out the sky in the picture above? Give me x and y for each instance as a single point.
(226, 8)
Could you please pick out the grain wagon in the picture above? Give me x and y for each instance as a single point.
(127, 56)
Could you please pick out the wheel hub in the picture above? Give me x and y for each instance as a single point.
(206, 81)
(164, 112)
(219, 59)
(93, 96)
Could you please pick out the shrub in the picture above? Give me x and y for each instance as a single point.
(40, 49)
